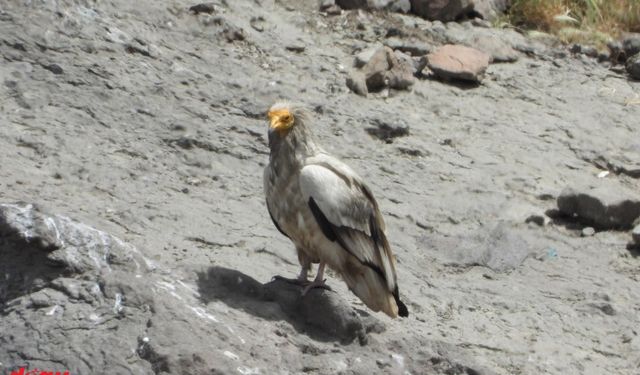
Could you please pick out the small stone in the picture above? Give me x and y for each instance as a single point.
(54, 68)
(535, 219)
(386, 132)
(297, 47)
(458, 62)
(207, 8)
(576, 49)
(588, 232)
(258, 23)
(233, 33)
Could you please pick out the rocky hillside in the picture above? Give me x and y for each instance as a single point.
(134, 238)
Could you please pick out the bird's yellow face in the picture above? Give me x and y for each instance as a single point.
(281, 120)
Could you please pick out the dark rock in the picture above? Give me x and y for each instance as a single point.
(442, 10)
(604, 56)
(616, 51)
(387, 132)
(207, 8)
(536, 219)
(604, 307)
(604, 207)
(352, 4)
(458, 62)
(631, 44)
(633, 66)
(297, 47)
(233, 33)
(54, 68)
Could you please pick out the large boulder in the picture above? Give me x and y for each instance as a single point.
(458, 62)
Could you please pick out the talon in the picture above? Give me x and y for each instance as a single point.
(298, 281)
(316, 284)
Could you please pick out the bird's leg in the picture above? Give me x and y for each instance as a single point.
(318, 282)
(302, 278)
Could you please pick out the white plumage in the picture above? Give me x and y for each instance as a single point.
(328, 212)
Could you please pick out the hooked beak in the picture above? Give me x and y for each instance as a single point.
(280, 120)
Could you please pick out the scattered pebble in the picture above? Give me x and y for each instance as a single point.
(54, 68)
(535, 219)
(588, 232)
(207, 8)
(297, 47)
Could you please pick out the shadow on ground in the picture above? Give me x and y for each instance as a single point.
(320, 314)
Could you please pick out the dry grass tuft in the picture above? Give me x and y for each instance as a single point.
(578, 20)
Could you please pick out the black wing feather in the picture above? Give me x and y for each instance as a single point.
(276, 223)
(334, 234)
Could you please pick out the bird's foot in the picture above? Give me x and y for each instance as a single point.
(297, 281)
(316, 284)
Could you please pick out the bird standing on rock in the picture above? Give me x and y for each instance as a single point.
(328, 212)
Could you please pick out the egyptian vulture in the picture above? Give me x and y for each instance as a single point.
(328, 212)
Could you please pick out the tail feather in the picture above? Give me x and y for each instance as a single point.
(373, 291)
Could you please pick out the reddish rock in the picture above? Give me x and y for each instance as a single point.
(458, 62)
